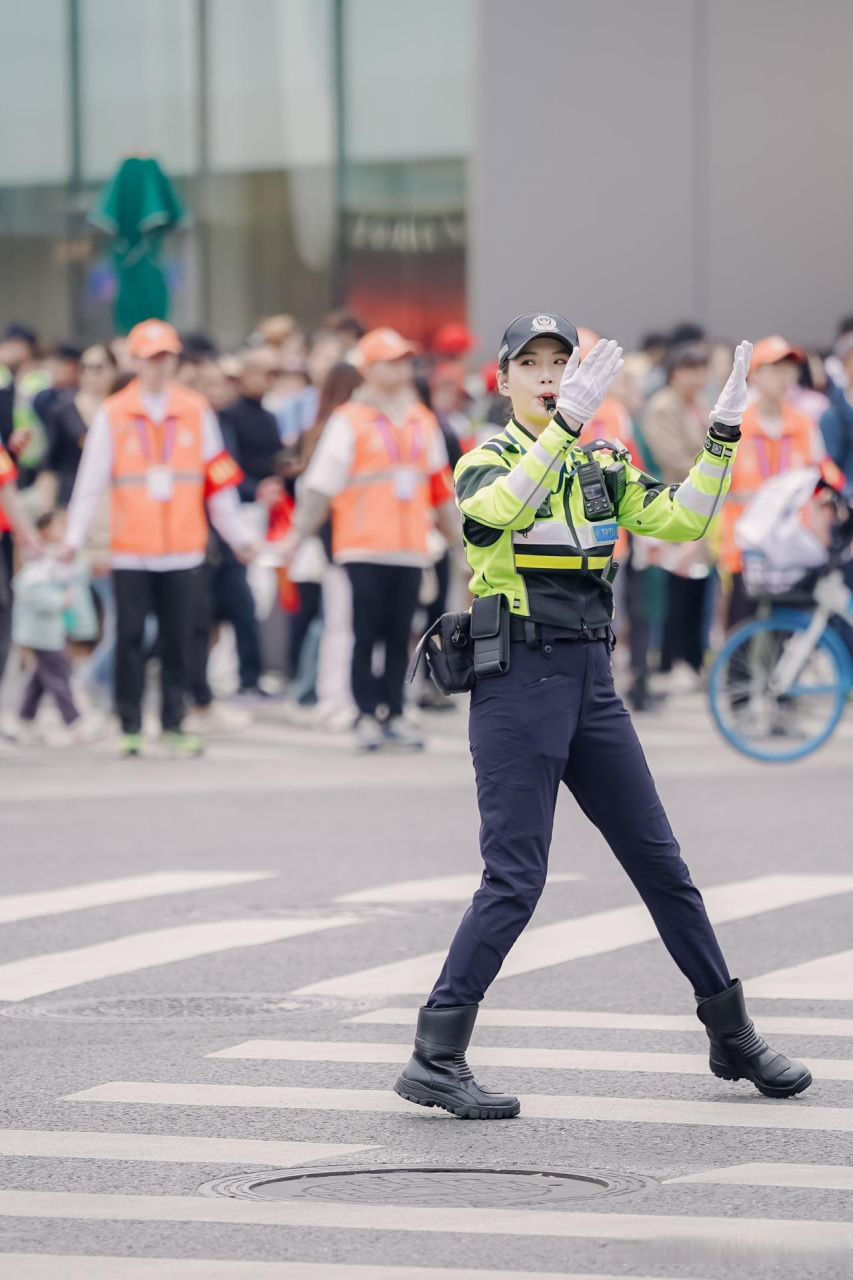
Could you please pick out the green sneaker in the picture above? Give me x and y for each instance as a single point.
(185, 745)
(130, 744)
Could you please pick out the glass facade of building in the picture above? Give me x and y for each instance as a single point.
(319, 147)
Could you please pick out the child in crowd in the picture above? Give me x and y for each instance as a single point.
(51, 600)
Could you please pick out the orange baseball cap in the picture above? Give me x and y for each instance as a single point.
(383, 344)
(152, 338)
(772, 350)
(587, 339)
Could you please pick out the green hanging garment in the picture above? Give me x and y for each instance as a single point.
(138, 206)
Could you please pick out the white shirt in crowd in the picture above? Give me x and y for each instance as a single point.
(95, 472)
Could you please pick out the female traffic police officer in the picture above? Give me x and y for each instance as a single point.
(540, 523)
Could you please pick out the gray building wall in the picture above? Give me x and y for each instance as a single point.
(638, 162)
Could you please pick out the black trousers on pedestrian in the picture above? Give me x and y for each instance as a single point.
(52, 674)
(557, 718)
(384, 599)
(233, 602)
(5, 614)
(310, 602)
(169, 596)
(685, 618)
(198, 638)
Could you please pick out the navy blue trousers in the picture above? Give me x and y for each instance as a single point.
(557, 718)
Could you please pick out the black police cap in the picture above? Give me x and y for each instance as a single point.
(535, 325)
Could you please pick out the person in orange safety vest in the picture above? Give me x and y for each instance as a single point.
(775, 437)
(156, 446)
(381, 465)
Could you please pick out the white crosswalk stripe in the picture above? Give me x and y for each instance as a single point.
(826, 978)
(44, 1266)
(101, 893)
(76, 1144)
(825, 1177)
(734, 1233)
(666, 1111)
(436, 889)
(680, 1064)
(590, 935)
(57, 970)
(560, 1019)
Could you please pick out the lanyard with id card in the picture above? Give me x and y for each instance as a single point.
(159, 478)
(406, 475)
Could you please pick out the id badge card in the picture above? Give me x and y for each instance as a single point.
(405, 483)
(160, 483)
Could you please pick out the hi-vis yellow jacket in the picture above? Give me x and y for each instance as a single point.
(527, 536)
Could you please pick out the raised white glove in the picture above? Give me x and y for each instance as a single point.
(584, 385)
(732, 399)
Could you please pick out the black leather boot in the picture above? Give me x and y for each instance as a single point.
(738, 1051)
(437, 1074)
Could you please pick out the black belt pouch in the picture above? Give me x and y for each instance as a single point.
(490, 634)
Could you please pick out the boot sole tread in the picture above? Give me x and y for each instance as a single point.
(723, 1073)
(461, 1112)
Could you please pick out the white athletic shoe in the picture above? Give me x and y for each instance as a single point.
(217, 720)
(401, 733)
(368, 734)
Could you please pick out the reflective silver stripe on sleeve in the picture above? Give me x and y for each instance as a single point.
(692, 499)
(541, 454)
(530, 492)
(715, 470)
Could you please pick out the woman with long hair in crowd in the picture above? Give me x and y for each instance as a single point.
(320, 583)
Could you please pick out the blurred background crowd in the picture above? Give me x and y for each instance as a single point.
(280, 190)
(277, 629)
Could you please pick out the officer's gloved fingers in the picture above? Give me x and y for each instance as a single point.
(732, 400)
(571, 364)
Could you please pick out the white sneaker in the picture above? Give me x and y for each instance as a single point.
(27, 734)
(368, 734)
(217, 720)
(89, 728)
(399, 732)
(682, 679)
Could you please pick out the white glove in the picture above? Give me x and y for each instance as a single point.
(584, 385)
(732, 399)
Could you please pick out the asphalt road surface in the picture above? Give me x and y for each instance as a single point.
(209, 976)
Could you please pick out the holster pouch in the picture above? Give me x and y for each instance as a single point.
(449, 653)
(490, 634)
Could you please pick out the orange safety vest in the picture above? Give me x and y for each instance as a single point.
(386, 506)
(8, 475)
(760, 456)
(143, 524)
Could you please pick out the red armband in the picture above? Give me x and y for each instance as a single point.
(441, 487)
(221, 473)
(8, 470)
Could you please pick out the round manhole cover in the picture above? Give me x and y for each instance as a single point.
(457, 1187)
(183, 1008)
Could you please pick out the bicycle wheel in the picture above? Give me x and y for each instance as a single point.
(756, 720)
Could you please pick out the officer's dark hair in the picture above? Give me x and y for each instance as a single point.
(845, 325)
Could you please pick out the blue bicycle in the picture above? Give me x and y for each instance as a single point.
(780, 683)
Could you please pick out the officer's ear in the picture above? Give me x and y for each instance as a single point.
(503, 380)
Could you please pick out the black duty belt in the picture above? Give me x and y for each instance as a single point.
(524, 630)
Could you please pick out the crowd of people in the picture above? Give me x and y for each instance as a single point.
(273, 525)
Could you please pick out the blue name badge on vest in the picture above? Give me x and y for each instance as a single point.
(608, 532)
